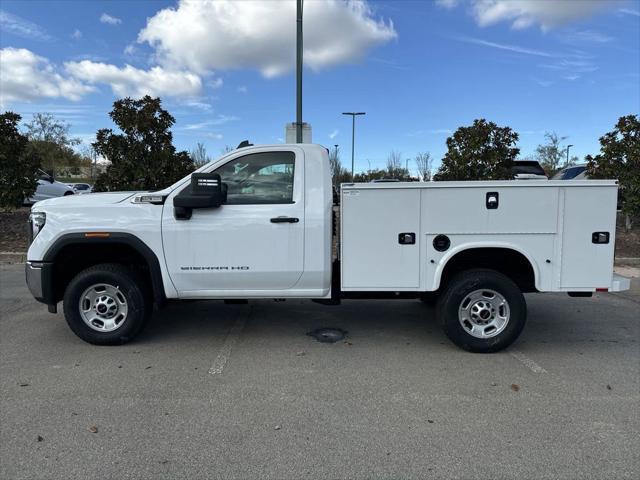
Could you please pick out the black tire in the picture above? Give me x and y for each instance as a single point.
(67, 194)
(468, 282)
(128, 283)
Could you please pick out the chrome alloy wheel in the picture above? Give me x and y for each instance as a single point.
(484, 313)
(103, 307)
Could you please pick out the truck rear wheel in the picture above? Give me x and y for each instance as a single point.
(482, 311)
(106, 304)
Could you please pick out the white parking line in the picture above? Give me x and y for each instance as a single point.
(225, 352)
(526, 361)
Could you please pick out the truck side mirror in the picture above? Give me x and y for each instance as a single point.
(206, 191)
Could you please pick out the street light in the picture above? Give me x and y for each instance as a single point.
(299, 71)
(353, 136)
(568, 147)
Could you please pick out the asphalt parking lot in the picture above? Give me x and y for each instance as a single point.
(240, 391)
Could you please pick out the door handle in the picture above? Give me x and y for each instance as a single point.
(284, 220)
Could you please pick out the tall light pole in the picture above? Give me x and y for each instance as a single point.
(568, 147)
(299, 72)
(353, 137)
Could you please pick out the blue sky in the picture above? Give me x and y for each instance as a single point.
(419, 69)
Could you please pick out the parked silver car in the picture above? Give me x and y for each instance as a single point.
(80, 188)
(48, 188)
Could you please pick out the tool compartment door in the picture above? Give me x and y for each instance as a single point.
(372, 255)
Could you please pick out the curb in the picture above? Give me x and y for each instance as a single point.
(627, 261)
(13, 257)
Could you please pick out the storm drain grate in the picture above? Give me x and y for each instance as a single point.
(328, 335)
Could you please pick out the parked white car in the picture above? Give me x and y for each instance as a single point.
(49, 188)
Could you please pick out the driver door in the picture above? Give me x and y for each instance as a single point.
(254, 242)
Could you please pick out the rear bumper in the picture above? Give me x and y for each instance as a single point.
(619, 283)
(39, 280)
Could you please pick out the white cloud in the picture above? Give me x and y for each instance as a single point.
(76, 35)
(581, 37)
(109, 20)
(135, 82)
(334, 134)
(34, 77)
(525, 13)
(215, 83)
(130, 49)
(447, 3)
(219, 120)
(502, 46)
(203, 35)
(242, 89)
(629, 11)
(20, 27)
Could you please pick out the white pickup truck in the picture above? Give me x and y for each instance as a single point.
(260, 222)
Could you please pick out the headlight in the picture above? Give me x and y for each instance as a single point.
(36, 222)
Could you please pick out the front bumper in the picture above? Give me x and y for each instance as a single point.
(39, 277)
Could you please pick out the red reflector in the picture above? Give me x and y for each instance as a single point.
(602, 289)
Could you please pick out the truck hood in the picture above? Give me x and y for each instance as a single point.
(88, 199)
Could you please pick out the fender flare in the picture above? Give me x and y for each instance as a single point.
(115, 238)
(470, 246)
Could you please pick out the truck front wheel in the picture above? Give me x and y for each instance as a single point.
(106, 305)
(482, 311)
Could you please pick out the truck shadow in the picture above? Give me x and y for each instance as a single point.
(554, 321)
(404, 320)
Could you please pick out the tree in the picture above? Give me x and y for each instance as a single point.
(50, 138)
(339, 174)
(395, 168)
(619, 158)
(424, 162)
(369, 175)
(142, 157)
(18, 165)
(482, 151)
(199, 156)
(552, 154)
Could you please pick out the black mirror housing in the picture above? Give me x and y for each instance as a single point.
(206, 191)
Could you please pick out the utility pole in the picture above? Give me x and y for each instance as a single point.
(353, 137)
(568, 147)
(299, 72)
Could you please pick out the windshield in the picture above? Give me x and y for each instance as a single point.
(569, 173)
(527, 167)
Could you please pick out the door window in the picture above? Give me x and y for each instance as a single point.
(259, 178)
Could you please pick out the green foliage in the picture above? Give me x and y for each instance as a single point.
(482, 151)
(18, 165)
(49, 138)
(552, 155)
(143, 156)
(381, 174)
(58, 160)
(375, 174)
(339, 174)
(619, 158)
